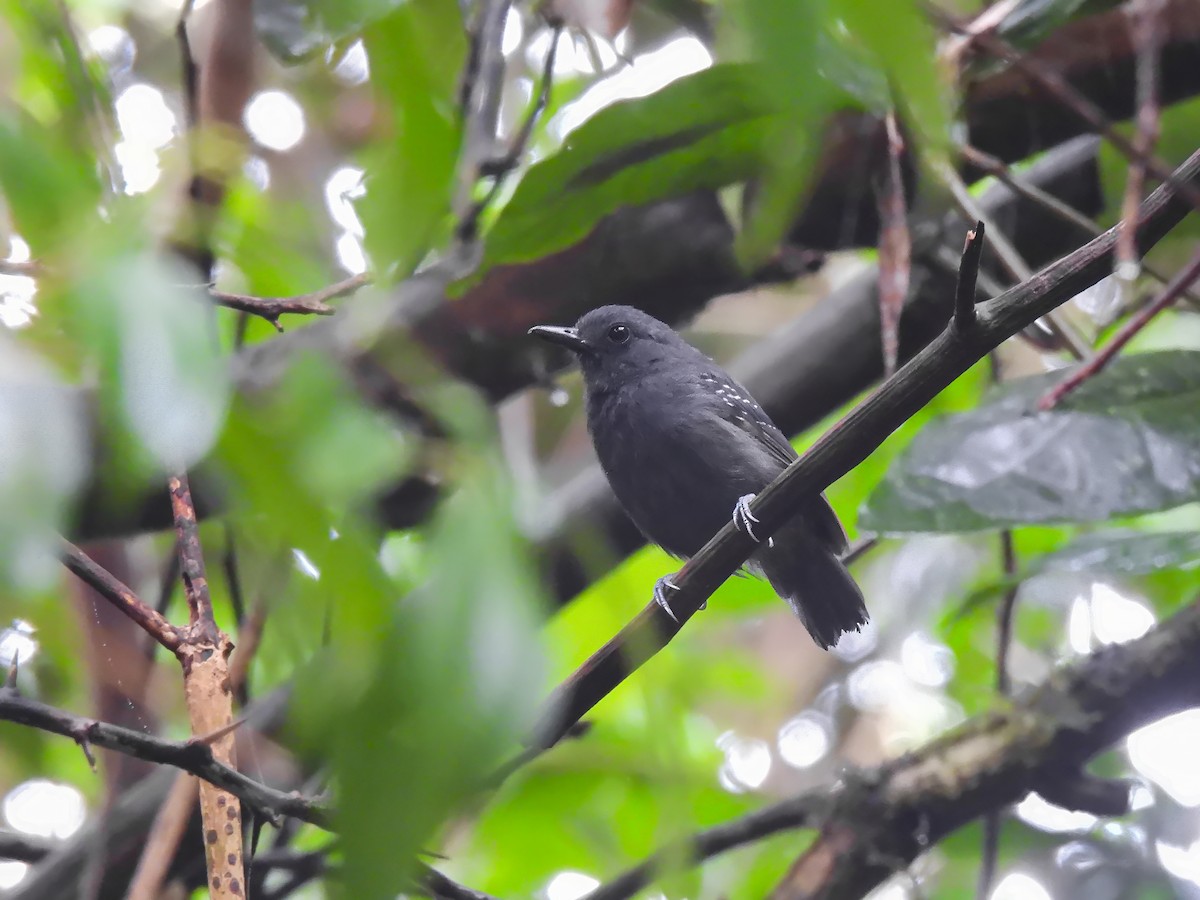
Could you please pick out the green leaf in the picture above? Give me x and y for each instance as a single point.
(416, 55)
(1112, 553)
(46, 182)
(701, 131)
(295, 30)
(1124, 553)
(162, 377)
(1128, 441)
(904, 44)
(42, 435)
(415, 712)
(783, 37)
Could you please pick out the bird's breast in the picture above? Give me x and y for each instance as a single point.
(672, 466)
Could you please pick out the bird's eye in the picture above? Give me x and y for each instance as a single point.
(618, 334)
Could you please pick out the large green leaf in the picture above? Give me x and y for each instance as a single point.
(416, 55)
(784, 38)
(1128, 441)
(701, 131)
(904, 44)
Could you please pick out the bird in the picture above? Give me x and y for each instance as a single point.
(685, 447)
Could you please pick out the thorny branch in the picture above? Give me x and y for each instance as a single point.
(207, 687)
(194, 756)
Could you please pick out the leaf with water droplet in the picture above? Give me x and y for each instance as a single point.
(1126, 442)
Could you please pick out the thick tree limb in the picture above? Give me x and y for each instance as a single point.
(885, 817)
(846, 446)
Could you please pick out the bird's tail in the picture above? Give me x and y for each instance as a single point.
(807, 573)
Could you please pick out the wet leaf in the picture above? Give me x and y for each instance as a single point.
(1128, 441)
(1126, 553)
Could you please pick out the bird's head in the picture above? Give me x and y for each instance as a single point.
(616, 342)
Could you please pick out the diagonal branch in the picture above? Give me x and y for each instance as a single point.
(194, 756)
(843, 448)
(1171, 293)
(120, 596)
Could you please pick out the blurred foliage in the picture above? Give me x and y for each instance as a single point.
(417, 658)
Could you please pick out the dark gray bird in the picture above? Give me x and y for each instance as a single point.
(685, 446)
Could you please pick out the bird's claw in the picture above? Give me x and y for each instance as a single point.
(661, 587)
(743, 519)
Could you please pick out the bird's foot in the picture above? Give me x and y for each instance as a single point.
(661, 587)
(743, 519)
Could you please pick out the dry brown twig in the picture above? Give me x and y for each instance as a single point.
(312, 304)
(895, 247)
(1146, 18)
(1171, 293)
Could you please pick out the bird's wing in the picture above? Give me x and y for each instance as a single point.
(733, 404)
(736, 407)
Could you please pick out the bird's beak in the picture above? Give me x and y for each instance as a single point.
(564, 337)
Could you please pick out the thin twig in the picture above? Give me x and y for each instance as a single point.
(957, 45)
(1147, 38)
(1058, 87)
(498, 167)
(895, 248)
(312, 304)
(120, 596)
(1004, 624)
(804, 811)
(440, 887)
(482, 91)
(1025, 188)
(170, 823)
(29, 268)
(968, 276)
(1186, 276)
(996, 167)
(195, 757)
(24, 847)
